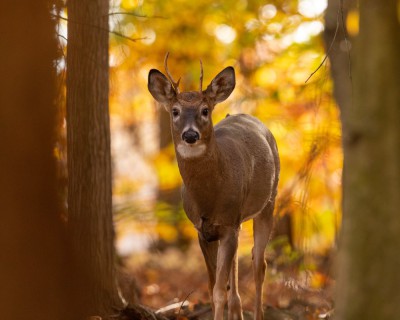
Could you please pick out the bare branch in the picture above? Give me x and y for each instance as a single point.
(134, 15)
(61, 36)
(345, 37)
(183, 302)
(100, 28)
(118, 34)
(329, 50)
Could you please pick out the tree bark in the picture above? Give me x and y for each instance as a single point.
(369, 260)
(35, 264)
(89, 158)
(339, 56)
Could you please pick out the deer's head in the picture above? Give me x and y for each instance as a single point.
(191, 111)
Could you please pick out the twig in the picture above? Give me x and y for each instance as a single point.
(59, 17)
(134, 14)
(345, 37)
(180, 308)
(329, 50)
(61, 36)
(126, 37)
(100, 28)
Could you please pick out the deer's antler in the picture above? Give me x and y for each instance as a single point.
(201, 76)
(175, 85)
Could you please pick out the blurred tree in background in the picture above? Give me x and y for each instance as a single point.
(90, 221)
(369, 260)
(35, 267)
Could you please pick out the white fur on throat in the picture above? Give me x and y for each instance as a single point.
(190, 150)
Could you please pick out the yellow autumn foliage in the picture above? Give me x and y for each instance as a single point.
(273, 53)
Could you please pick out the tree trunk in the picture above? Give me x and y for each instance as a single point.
(89, 158)
(35, 265)
(339, 56)
(369, 261)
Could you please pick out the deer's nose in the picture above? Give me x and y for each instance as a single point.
(190, 136)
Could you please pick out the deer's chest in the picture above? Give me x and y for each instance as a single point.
(210, 216)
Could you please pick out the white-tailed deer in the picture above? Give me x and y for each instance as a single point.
(230, 174)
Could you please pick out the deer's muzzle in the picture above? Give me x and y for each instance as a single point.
(190, 136)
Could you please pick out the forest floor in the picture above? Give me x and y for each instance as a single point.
(174, 284)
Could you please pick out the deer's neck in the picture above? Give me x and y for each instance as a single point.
(201, 175)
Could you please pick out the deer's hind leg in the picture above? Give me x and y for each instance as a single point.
(262, 228)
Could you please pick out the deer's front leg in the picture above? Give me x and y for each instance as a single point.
(226, 252)
(210, 250)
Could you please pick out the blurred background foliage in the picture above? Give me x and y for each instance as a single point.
(274, 47)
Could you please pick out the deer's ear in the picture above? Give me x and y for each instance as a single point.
(160, 87)
(222, 85)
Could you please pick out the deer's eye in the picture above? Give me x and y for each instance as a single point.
(205, 112)
(175, 112)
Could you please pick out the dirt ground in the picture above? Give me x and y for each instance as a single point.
(174, 283)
